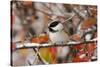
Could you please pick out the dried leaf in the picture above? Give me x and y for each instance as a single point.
(91, 47)
(41, 39)
(94, 13)
(76, 37)
(88, 23)
(46, 54)
(27, 4)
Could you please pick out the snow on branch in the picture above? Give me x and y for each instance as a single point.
(36, 45)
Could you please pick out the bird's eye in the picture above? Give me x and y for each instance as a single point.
(53, 24)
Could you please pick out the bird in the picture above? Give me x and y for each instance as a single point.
(58, 36)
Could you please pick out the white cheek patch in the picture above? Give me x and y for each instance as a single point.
(58, 27)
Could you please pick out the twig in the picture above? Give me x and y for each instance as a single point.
(48, 7)
(77, 12)
(39, 56)
(69, 18)
(50, 14)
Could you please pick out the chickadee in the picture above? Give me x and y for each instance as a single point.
(57, 34)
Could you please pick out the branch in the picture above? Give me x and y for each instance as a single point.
(36, 45)
(49, 14)
(77, 12)
(39, 56)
